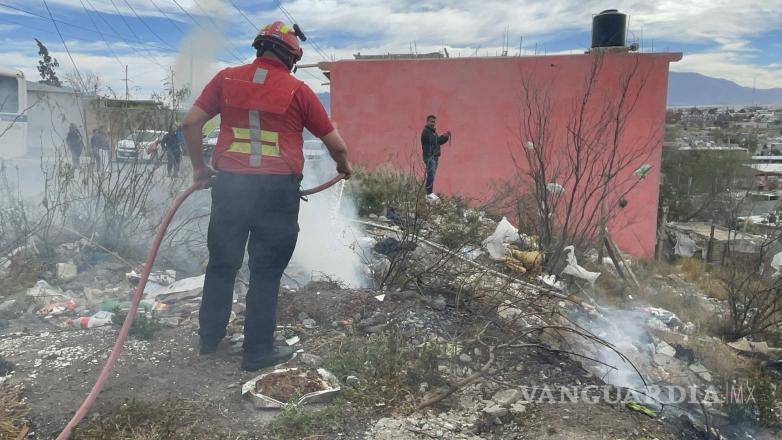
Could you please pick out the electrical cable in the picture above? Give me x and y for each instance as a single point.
(122, 17)
(167, 17)
(202, 27)
(245, 16)
(57, 28)
(289, 16)
(147, 26)
(95, 25)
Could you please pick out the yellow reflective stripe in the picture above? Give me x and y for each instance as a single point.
(266, 136)
(244, 147)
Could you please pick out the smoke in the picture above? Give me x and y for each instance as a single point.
(196, 63)
(327, 237)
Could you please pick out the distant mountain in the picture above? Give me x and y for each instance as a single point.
(686, 88)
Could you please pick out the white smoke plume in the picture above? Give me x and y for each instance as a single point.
(327, 238)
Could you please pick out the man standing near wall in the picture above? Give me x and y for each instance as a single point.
(258, 164)
(430, 143)
(75, 144)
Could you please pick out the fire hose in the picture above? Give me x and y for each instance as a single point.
(136, 299)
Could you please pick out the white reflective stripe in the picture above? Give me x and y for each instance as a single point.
(259, 77)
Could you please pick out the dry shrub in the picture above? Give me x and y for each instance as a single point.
(12, 413)
(699, 273)
(134, 420)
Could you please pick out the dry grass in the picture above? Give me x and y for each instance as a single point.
(12, 413)
(134, 420)
(700, 274)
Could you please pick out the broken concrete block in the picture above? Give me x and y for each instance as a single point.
(665, 349)
(66, 271)
(496, 411)
(701, 371)
(506, 397)
(517, 409)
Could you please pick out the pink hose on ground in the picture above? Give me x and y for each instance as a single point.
(134, 302)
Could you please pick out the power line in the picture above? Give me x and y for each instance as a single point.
(147, 26)
(57, 28)
(167, 17)
(122, 17)
(108, 46)
(202, 27)
(312, 42)
(88, 30)
(245, 16)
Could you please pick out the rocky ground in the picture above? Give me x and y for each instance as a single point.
(391, 350)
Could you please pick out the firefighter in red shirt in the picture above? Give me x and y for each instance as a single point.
(255, 174)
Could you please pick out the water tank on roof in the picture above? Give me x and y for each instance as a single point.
(609, 29)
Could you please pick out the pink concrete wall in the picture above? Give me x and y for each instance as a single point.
(380, 106)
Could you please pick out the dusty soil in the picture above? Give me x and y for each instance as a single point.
(57, 368)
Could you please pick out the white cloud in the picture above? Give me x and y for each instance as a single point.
(723, 31)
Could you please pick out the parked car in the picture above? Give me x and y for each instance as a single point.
(141, 145)
(210, 142)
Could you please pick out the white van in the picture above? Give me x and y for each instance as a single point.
(13, 117)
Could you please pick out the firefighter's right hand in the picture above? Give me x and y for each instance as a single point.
(204, 176)
(346, 169)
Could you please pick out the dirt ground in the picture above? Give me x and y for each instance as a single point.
(56, 369)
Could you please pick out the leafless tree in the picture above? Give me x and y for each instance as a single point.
(579, 174)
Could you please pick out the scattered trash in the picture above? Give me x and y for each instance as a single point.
(273, 390)
(42, 289)
(637, 407)
(555, 188)
(97, 320)
(666, 317)
(573, 269)
(551, 281)
(515, 265)
(642, 171)
(685, 246)
(776, 263)
(56, 309)
(66, 271)
(390, 246)
(380, 297)
(309, 323)
(749, 347)
(183, 289)
(532, 260)
(292, 340)
(495, 244)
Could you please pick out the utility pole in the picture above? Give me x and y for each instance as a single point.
(127, 91)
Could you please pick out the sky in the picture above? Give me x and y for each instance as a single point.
(738, 40)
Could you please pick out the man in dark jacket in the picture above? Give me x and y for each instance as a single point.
(75, 144)
(173, 150)
(430, 143)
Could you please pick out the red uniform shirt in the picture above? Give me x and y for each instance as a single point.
(304, 111)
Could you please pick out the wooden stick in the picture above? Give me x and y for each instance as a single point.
(469, 380)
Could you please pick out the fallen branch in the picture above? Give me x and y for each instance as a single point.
(112, 253)
(469, 380)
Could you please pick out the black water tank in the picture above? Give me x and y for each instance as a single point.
(609, 29)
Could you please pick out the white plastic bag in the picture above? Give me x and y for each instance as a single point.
(685, 246)
(573, 269)
(495, 243)
(776, 263)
